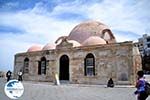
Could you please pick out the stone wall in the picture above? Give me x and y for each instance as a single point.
(112, 60)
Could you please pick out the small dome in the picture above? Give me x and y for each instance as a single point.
(49, 46)
(75, 43)
(94, 40)
(35, 48)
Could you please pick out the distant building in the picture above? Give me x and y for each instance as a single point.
(89, 54)
(144, 47)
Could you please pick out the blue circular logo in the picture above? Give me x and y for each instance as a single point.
(14, 89)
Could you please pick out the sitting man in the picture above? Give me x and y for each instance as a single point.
(110, 83)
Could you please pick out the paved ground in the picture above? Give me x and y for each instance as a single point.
(48, 91)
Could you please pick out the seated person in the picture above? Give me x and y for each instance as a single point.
(110, 83)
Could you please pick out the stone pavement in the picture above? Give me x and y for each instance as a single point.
(49, 91)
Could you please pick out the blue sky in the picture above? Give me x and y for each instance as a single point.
(27, 22)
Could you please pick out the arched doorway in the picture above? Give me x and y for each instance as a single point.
(64, 68)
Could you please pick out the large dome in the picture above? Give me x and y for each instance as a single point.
(35, 48)
(93, 40)
(92, 28)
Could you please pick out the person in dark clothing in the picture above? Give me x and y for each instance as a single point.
(20, 76)
(8, 75)
(110, 83)
(140, 85)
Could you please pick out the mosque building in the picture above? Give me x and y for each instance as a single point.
(88, 55)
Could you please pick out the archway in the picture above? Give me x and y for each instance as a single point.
(64, 68)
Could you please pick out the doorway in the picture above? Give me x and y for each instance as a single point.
(64, 68)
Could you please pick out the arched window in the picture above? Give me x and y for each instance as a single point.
(26, 65)
(42, 66)
(89, 69)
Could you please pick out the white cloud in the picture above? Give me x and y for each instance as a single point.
(40, 29)
(119, 15)
(9, 47)
(38, 26)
